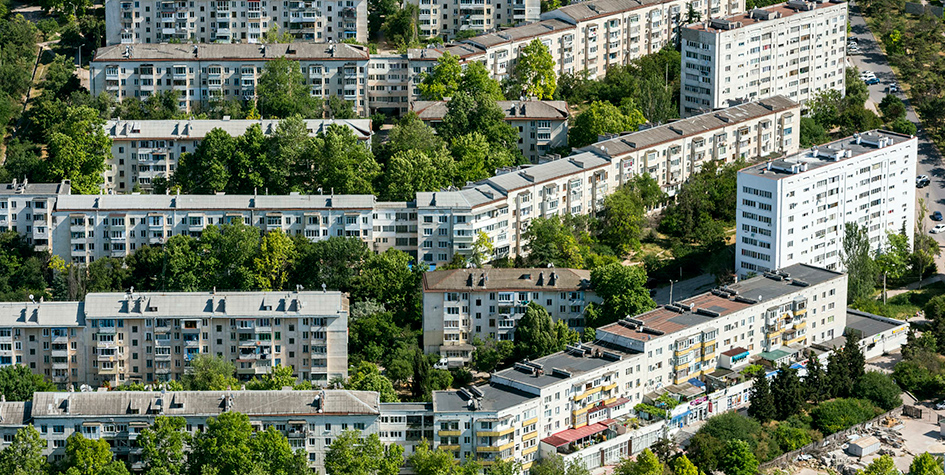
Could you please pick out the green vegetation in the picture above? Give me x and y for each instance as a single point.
(602, 118)
(18, 383)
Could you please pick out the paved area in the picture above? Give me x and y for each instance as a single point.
(885, 363)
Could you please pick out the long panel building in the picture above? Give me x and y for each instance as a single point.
(794, 209)
(795, 49)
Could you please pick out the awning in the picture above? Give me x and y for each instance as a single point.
(298, 422)
(695, 382)
(138, 424)
(618, 402)
(567, 436)
(91, 424)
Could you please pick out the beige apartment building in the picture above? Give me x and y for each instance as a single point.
(541, 125)
(448, 19)
(50, 338)
(795, 49)
(224, 21)
(27, 209)
(143, 150)
(201, 72)
(153, 336)
(671, 153)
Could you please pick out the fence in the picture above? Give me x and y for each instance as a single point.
(827, 444)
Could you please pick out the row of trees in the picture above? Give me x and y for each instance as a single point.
(896, 263)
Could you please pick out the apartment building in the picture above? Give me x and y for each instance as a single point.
(50, 338)
(502, 48)
(143, 150)
(671, 153)
(772, 316)
(223, 21)
(795, 49)
(89, 227)
(152, 336)
(460, 305)
(542, 125)
(455, 16)
(201, 72)
(794, 209)
(27, 209)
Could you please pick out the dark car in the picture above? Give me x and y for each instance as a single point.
(936, 216)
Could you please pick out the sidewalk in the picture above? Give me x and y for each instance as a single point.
(916, 285)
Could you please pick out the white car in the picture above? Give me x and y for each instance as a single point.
(940, 406)
(939, 228)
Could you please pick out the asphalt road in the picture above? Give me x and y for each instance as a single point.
(871, 58)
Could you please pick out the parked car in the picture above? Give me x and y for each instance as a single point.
(936, 216)
(892, 87)
(871, 81)
(940, 406)
(939, 228)
(922, 181)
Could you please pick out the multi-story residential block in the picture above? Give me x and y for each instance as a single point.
(223, 21)
(503, 48)
(460, 305)
(795, 49)
(794, 209)
(151, 336)
(390, 84)
(27, 209)
(542, 125)
(94, 226)
(50, 338)
(456, 16)
(671, 153)
(143, 150)
(201, 72)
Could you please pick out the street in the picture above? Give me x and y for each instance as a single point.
(871, 58)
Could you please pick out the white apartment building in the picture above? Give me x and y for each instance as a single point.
(671, 153)
(27, 209)
(143, 150)
(795, 49)
(541, 125)
(224, 21)
(201, 72)
(455, 16)
(794, 209)
(153, 336)
(50, 338)
(460, 305)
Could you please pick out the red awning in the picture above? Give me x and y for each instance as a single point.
(567, 436)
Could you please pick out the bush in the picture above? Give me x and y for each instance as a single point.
(879, 388)
(843, 413)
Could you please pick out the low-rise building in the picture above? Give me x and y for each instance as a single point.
(541, 125)
(143, 150)
(27, 209)
(52, 339)
(461, 305)
(795, 209)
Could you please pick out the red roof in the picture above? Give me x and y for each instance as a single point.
(618, 402)
(567, 436)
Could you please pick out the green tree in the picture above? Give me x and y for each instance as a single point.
(708, 446)
(283, 93)
(349, 454)
(366, 377)
(443, 80)
(491, 353)
(276, 255)
(336, 163)
(645, 464)
(787, 392)
(339, 108)
(412, 171)
(278, 378)
(427, 461)
(535, 333)
(271, 454)
(209, 373)
(378, 10)
(879, 388)
(162, 445)
(548, 242)
(18, 383)
(554, 465)
(273, 35)
(476, 158)
(411, 134)
(682, 466)
(223, 445)
(401, 27)
(903, 126)
(738, 459)
(623, 290)
(86, 456)
(926, 464)
(227, 254)
(893, 260)
(535, 71)
(841, 414)
(762, 399)
(78, 148)
(853, 356)
(482, 250)
(816, 380)
(24, 456)
(475, 112)
(476, 77)
(206, 170)
(335, 262)
(856, 257)
(838, 375)
(812, 133)
(601, 118)
(824, 107)
(390, 277)
(892, 108)
(883, 465)
(623, 218)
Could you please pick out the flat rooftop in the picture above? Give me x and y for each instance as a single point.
(847, 148)
(868, 324)
(706, 308)
(496, 279)
(231, 52)
(494, 398)
(760, 15)
(561, 366)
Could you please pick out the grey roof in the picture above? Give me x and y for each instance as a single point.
(532, 175)
(865, 442)
(27, 188)
(757, 15)
(868, 324)
(494, 399)
(520, 33)
(514, 110)
(197, 129)
(463, 199)
(42, 314)
(222, 202)
(231, 52)
(15, 413)
(598, 8)
(823, 155)
(207, 304)
(528, 279)
(204, 403)
(696, 125)
(464, 51)
(570, 363)
(401, 407)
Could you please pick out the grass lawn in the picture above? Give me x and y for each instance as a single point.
(904, 305)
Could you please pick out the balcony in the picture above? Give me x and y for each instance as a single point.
(60, 353)
(60, 365)
(495, 433)
(162, 357)
(296, 433)
(192, 343)
(162, 370)
(496, 448)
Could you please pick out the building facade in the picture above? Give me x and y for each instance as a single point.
(143, 150)
(458, 16)
(541, 125)
(50, 338)
(27, 209)
(794, 210)
(224, 21)
(204, 72)
(671, 153)
(461, 305)
(795, 49)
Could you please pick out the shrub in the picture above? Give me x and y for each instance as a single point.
(843, 413)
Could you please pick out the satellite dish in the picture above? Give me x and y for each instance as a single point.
(31, 298)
